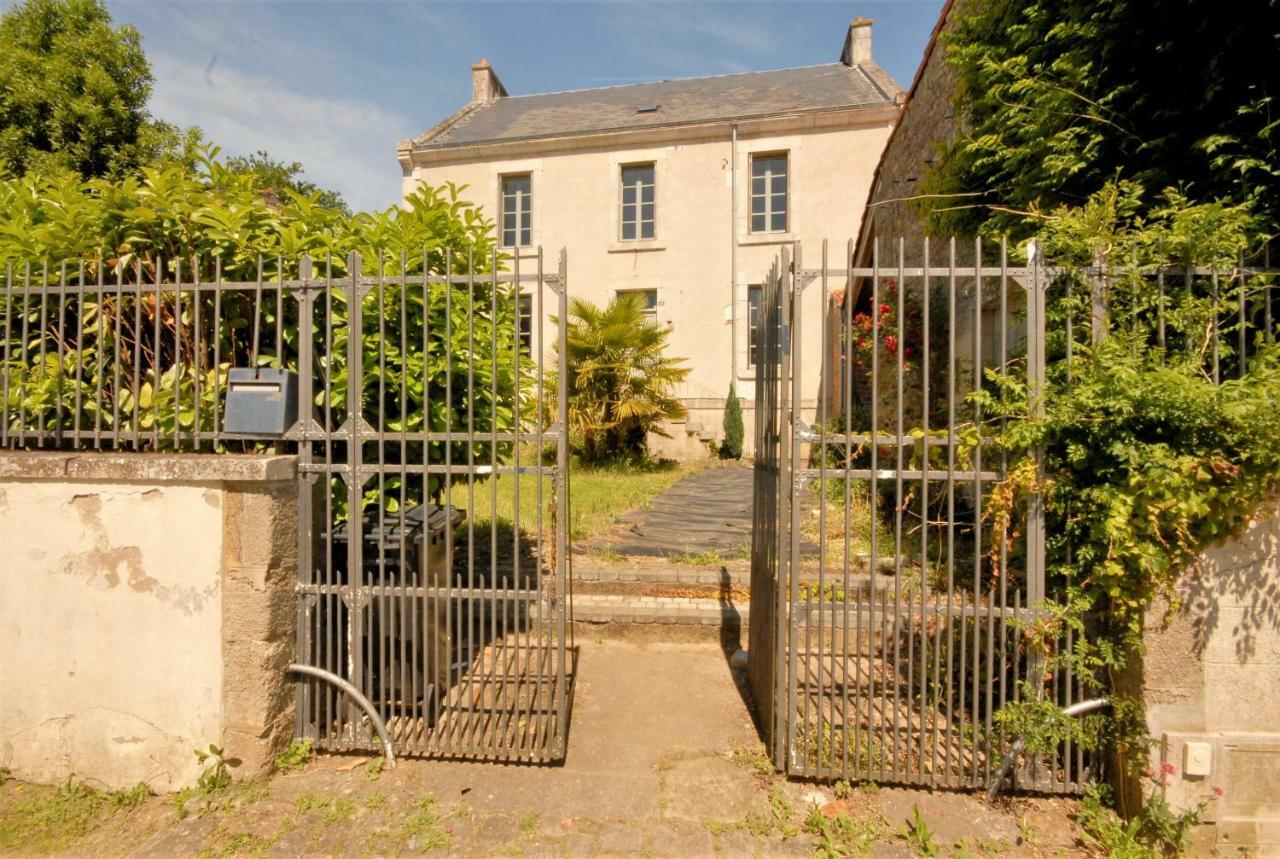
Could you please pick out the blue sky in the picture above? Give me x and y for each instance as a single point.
(335, 85)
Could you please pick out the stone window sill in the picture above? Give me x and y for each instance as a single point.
(766, 239)
(636, 247)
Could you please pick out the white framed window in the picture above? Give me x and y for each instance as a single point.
(769, 192)
(517, 210)
(649, 298)
(639, 203)
(524, 314)
(755, 294)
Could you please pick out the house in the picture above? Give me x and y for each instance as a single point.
(683, 191)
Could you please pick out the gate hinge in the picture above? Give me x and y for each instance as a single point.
(806, 276)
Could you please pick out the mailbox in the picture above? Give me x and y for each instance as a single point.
(260, 403)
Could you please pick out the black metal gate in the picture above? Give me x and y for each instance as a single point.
(433, 527)
(886, 602)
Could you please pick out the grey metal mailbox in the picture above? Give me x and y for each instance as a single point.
(262, 402)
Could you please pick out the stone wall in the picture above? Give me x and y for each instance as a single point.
(146, 610)
(1210, 683)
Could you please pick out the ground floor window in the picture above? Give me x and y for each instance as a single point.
(754, 294)
(525, 312)
(649, 297)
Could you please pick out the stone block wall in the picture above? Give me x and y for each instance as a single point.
(146, 610)
(1210, 682)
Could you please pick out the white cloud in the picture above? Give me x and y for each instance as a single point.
(343, 143)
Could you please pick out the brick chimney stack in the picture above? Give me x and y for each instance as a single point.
(857, 43)
(485, 86)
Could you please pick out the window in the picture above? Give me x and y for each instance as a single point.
(525, 312)
(754, 296)
(769, 193)
(648, 297)
(517, 211)
(637, 202)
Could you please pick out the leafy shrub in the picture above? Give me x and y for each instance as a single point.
(208, 222)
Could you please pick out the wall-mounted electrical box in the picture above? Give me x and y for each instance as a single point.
(261, 403)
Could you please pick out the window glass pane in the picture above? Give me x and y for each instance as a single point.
(628, 194)
(646, 212)
(628, 230)
(646, 230)
(757, 185)
(757, 223)
(759, 166)
(779, 203)
(526, 322)
(780, 184)
(646, 193)
(779, 222)
(526, 238)
(753, 324)
(757, 205)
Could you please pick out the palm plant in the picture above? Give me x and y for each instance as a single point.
(620, 379)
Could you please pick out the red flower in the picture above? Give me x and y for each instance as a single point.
(890, 342)
(885, 309)
(1168, 768)
(1217, 791)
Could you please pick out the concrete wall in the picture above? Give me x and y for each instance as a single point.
(1212, 676)
(146, 609)
(576, 204)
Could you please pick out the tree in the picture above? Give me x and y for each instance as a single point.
(73, 89)
(619, 377)
(1057, 97)
(731, 447)
(277, 177)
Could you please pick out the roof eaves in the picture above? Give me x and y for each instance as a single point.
(443, 145)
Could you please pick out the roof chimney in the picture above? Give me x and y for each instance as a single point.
(485, 86)
(857, 43)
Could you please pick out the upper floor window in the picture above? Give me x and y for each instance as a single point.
(769, 193)
(638, 206)
(517, 211)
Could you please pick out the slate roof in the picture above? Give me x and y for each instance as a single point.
(724, 97)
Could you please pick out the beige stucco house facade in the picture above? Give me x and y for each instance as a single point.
(683, 190)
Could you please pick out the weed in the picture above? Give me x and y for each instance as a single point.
(529, 823)
(842, 789)
(1156, 830)
(663, 803)
(918, 834)
(842, 834)
(717, 827)
(237, 844)
(994, 846)
(216, 774)
(295, 757)
(375, 801)
(608, 553)
(425, 827)
(753, 757)
(373, 769)
(710, 557)
(131, 798)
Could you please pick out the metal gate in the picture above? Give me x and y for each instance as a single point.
(889, 587)
(433, 527)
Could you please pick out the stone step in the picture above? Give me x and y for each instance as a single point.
(682, 611)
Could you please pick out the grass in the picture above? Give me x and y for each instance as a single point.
(50, 819)
(425, 827)
(842, 833)
(711, 557)
(597, 496)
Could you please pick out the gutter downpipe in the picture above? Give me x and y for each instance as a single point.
(733, 255)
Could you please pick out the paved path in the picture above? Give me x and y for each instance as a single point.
(709, 510)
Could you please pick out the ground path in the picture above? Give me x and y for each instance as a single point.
(663, 761)
(708, 511)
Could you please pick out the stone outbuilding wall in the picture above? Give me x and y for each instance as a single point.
(146, 610)
(1210, 684)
